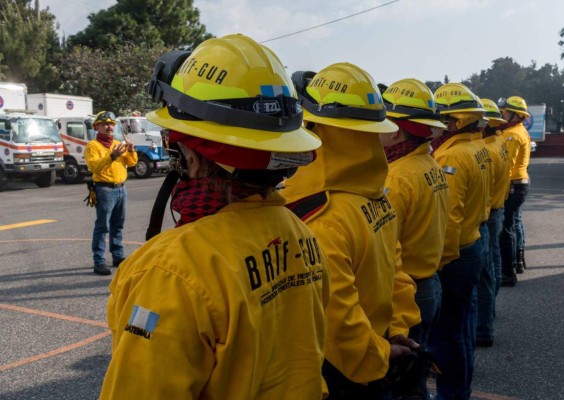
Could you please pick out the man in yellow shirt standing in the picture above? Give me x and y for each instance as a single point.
(452, 338)
(417, 188)
(514, 111)
(341, 198)
(108, 160)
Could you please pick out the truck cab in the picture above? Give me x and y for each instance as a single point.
(75, 133)
(147, 140)
(30, 148)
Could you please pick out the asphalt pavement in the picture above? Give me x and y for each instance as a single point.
(54, 343)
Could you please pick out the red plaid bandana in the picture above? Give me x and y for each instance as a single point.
(199, 197)
(401, 149)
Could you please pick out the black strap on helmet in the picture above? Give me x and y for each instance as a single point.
(412, 112)
(157, 213)
(460, 105)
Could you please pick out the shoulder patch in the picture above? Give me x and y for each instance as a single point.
(142, 322)
(449, 170)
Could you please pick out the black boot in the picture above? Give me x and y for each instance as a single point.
(520, 260)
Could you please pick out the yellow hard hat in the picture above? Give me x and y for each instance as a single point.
(412, 100)
(492, 113)
(230, 90)
(345, 96)
(457, 101)
(514, 104)
(104, 117)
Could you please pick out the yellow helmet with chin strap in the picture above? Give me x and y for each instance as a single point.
(492, 113)
(345, 96)
(230, 90)
(410, 99)
(514, 104)
(457, 101)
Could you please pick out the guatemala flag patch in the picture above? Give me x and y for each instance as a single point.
(449, 170)
(274, 90)
(142, 322)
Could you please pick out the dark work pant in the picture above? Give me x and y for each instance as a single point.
(507, 239)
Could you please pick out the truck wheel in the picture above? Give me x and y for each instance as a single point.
(71, 173)
(3, 180)
(144, 167)
(46, 179)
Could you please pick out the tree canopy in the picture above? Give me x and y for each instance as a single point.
(148, 23)
(29, 45)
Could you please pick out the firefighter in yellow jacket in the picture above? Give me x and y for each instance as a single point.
(230, 303)
(417, 188)
(514, 111)
(490, 278)
(340, 196)
(452, 338)
(107, 159)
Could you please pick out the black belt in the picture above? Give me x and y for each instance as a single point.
(110, 185)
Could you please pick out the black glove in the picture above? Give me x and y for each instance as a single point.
(408, 371)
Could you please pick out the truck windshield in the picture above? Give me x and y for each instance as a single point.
(27, 130)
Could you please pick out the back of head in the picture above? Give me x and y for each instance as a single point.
(514, 104)
(492, 113)
(232, 101)
(344, 96)
(455, 100)
(411, 105)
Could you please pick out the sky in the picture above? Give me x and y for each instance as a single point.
(423, 39)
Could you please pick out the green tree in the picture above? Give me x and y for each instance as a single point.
(114, 79)
(150, 23)
(29, 45)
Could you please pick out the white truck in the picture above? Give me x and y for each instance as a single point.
(13, 96)
(30, 148)
(75, 133)
(147, 140)
(59, 105)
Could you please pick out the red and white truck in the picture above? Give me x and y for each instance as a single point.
(30, 146)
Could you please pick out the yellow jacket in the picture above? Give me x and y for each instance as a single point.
(103, 169)
(519, 148)
(462, 163)
(358, 231)
(230, 306)
(500, 180)
(417, 188)
(486, 164)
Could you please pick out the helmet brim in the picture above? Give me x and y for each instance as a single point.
(424, 121)
(360, 125)
(296, 141)
(521, 112)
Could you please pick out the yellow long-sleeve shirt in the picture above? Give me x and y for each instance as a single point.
(417, 188)
(103, 168)
(500, 180)
(519, 149)
(358, 231)
(230, 306)
(459, 157)
(486, 162)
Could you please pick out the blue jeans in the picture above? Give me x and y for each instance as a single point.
(507, 239)
(495, 225)
(519, 230)
(485, 289)
(450, 339)
(428, 299)
(110, 218)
